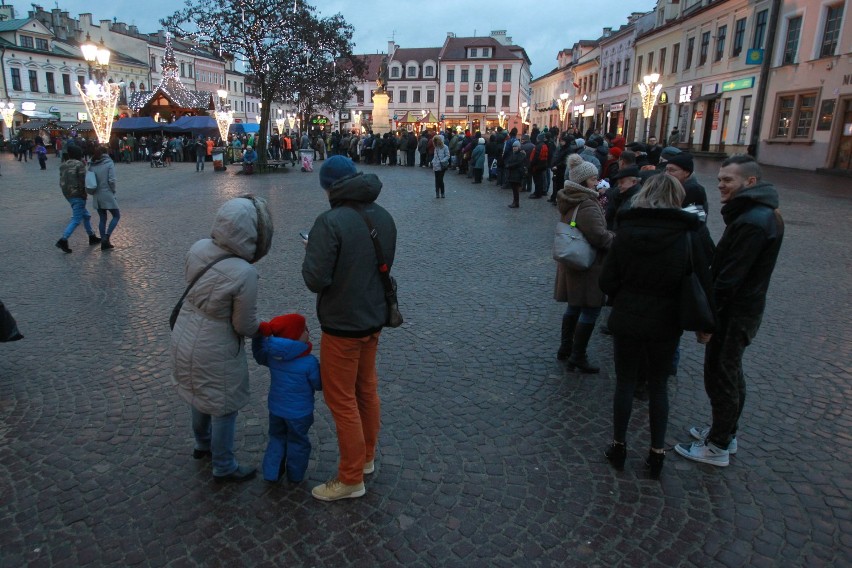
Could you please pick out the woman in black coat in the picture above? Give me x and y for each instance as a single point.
(643, 273)
(515, 167)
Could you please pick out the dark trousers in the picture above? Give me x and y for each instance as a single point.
(528, 183)
(439, 182)
(724, 381)
(538, 180)
(423, 162)
(651, 359)
(410, 157)
(477, 175)
(42, 161)
(288, 443)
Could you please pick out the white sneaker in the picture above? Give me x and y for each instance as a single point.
(702, 433)
(704, 452)
(369, 467)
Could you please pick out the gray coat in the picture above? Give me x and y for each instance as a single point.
(207, 345)
(104, 196)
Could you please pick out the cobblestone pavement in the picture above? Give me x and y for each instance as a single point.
(491, 454)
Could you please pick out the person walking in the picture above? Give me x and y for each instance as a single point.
(208, 355)
(200, 150)
(103, 199)
(72, 180)
(516, 168)
(440, 164)
(579, 288)
(643, 274)
(742, 267)
(352, 309)
(477, 160)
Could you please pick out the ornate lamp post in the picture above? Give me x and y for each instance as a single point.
(99, 95)
(8, 111)
(564, 104)
(224, 116)
(525, 113)
(649, 88)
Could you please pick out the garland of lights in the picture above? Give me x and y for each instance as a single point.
(224, 119)
(564, 104)
(8, 114)
(100, 100)
(649, 89)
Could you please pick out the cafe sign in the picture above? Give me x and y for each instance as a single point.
(685, 94)
(738, 84)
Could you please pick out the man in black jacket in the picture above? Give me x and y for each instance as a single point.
(742, 267)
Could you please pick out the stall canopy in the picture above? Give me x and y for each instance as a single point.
(136, 124)
(429, 119)
(409, 118)
(197, 125)
(244, 128)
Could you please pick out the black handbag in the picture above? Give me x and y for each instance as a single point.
(696, 313)
(8, 326)
(176, 310)
(388, 281)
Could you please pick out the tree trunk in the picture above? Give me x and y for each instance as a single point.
(265, 111)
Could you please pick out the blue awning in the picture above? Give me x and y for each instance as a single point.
(244, 128)
(198, 125)
(137, 124)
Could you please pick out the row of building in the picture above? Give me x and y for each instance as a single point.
(769, 77)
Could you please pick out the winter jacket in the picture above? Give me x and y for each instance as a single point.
(588, 154)
(72, 179)
(618, 201)
(540, 158)
(644, 271)
(580, 287)
(516, 166)
(694, 194)
(441, 158)
(295, 375)
(104, 196)
(477, 157)
(746, 254)
(207, 347)
(340, 261)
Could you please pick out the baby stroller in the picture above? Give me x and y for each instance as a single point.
(157, 159)
(307, 160)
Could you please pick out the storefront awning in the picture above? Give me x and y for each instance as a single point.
(710, 97)
(38, 114)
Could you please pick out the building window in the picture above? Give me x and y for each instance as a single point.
(506, 99)
(473, 52)
(415, 96)
(465, 76)
(650, 63)
(611, 75)
(705, 47)
(794, 116)
(462, 101)
(51, 87)
(477, 75)
(690, 49)
(154, 63)
(430, 96)
(492, 101)
(16, 79)
(66, 83)
(791, 43)
(662, 67)
(739, 37)
(451, 75)
(41, 44)
(182, 69)
(477, 100)
(626, 70)
(745, 116)
(33, 80)
(428, 71)
(449, 101)
(412, 72)
(395, 73)
(492, 75)
(638, 71)
(26, 41)
(617, 73)
(359, 96)
(759, 29)
(403, 96)
(721, 33)
(189, 69)
(507, 75)
(141, 86)
(832, 30)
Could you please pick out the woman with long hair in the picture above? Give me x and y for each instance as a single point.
(103, 199)
(440, 164)
(643, 273)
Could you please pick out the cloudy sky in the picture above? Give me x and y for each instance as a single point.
(540, 27)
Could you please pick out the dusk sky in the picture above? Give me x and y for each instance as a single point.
(542, 28)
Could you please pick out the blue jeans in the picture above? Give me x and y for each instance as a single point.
(102, 214)
(79, 214)
(216, 434)
(587, 315)
(288, 442)
(199, 161)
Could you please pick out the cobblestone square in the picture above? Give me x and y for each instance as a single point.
(491, 453)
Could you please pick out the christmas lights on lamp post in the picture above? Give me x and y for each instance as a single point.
(99, 95)
(649, 88)
(224, 117)
(525, 113)
(501, 118)
(564, 104)
(279, 122)
(8, 111)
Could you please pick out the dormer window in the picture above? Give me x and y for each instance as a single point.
(395, 73)
(41, 44)
(474, 52)
(26, 41)
(412, 71)
(428, 71)
(486, 51)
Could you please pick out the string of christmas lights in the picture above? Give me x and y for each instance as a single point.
(100, 100)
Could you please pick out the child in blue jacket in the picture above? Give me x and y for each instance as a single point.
(285, 349)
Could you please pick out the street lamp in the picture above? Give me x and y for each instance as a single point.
(99, 95)
(564, 104)
(649, 88)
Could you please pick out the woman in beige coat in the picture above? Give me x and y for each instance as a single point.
(208, 340)
(579, 288)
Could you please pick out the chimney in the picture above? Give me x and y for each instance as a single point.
(450, 35)
(607, 32)
(133, 30)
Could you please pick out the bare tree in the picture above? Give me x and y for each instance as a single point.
(284, 43)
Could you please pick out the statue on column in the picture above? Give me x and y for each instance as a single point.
(382, 79)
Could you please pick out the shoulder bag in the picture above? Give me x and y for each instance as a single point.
(176, 310)
(388, 281)
(91, 182)
(696, 313)
(570, 247)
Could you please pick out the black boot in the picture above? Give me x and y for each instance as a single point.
(105, 244)
(578, 359)
(655, 463)
(93, 240)
(569, 323)
(63, 244)
(616, 454)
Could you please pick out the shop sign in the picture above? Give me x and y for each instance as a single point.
(715, 125)
(344, 116)
(664, 98)
(738, 84)
(616, 107)
(579, 109)
(28, 106)
(699, 114)
(685, 95)
(319, 120)
(84, 116)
